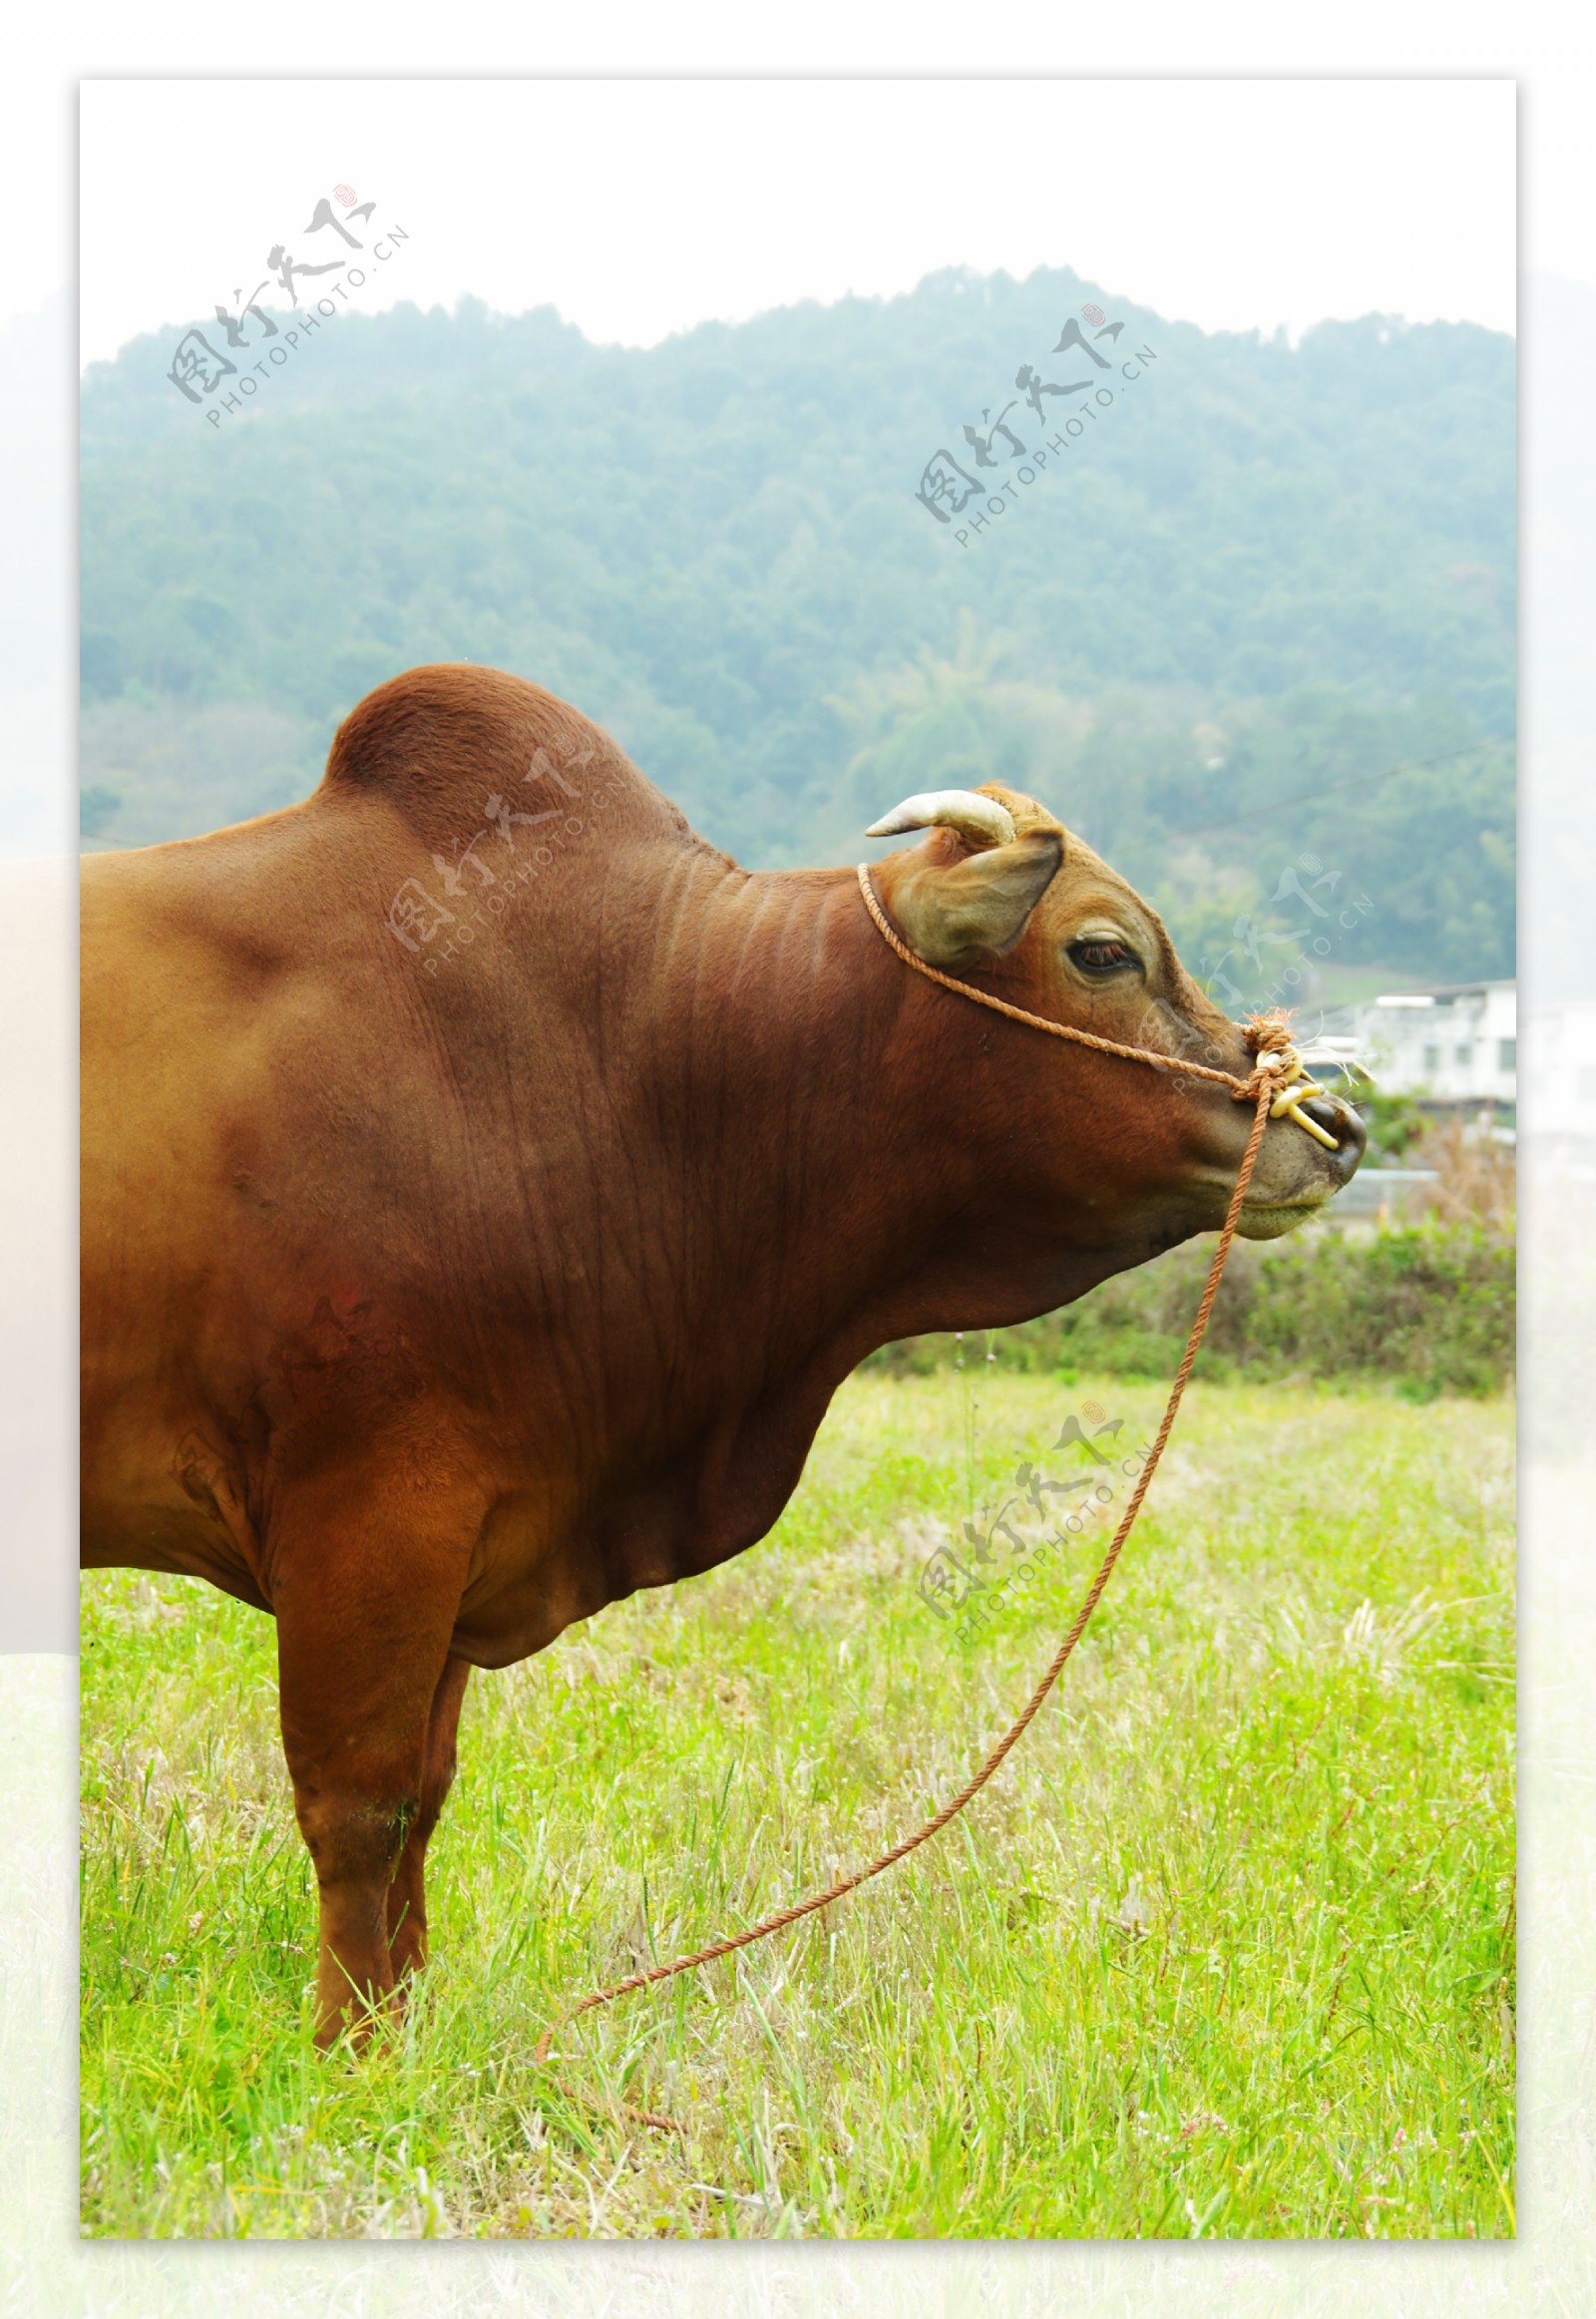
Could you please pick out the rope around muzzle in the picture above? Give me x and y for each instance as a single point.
(1274, 1089)
(1269, 1035)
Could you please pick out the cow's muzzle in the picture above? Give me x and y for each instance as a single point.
(1297, 1175)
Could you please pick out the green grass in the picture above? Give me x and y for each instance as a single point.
(1226, 1950)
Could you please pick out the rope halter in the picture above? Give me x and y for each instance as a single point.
(1278, 1067)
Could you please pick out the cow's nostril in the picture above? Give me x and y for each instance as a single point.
(1339, 1119)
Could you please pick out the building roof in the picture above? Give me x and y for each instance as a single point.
(1435, 991)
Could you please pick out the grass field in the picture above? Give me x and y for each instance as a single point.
(1226, 1950)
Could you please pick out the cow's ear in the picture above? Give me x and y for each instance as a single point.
(976, 908)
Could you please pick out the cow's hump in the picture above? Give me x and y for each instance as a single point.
(438, 741)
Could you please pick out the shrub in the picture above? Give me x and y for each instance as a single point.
(1429, 1306)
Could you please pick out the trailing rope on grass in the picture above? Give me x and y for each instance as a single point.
(1271, 1087)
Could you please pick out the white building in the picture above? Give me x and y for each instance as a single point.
(1455, 1044)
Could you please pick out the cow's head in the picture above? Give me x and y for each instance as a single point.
(1000, 894)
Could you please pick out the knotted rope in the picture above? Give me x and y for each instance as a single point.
(1270, 1087)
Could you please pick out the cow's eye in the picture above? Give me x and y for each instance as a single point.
(1101, 956)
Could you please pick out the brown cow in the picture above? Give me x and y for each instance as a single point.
(487, 1185)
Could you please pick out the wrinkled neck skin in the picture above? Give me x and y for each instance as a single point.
(846, 1130)
(835, 1164)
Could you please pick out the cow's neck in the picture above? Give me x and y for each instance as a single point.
(838, 1184)
(863, 1158)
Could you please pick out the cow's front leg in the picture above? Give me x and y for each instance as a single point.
(365, 1613)
(407, 1897)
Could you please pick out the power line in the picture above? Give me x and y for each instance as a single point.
(1336, 789)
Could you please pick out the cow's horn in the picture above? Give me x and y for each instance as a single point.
(957, 809)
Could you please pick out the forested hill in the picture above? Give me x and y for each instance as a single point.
(1254, 573)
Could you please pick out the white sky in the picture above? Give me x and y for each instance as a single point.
(640, 207)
